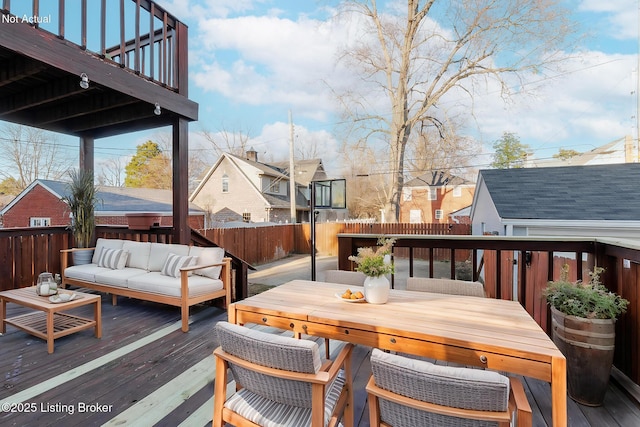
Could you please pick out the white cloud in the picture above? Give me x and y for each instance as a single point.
(273, 61)
(590, 105)
(620, 17)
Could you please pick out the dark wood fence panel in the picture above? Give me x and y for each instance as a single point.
(27, 252)
(262, 244)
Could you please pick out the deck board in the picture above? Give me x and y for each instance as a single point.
(144, 364)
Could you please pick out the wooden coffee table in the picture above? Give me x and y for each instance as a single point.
(48, 322)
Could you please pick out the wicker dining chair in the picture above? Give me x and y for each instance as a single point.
(345, 277)
(280, 381)
(405, 392)
(445, 286)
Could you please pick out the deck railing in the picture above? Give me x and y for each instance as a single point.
(519, 268)
(135, 34)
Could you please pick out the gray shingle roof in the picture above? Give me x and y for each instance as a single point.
(598, 192)
(123, 199)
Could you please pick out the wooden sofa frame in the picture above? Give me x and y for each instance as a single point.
(184, 301)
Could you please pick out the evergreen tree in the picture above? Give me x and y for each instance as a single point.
(148, 168)
(509, 152)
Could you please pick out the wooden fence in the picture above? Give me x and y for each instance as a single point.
(262, 244)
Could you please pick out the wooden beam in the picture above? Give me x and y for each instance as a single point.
(181, 229)
(21, 68)
(41, 95)
(87, 154)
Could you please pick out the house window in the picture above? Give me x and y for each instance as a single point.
(274, 185)
(246, 217)
(439, 214)
(225, 183)
(415, 216)
(39, 222)
(432, 194)
(457, 192)
(406, 194)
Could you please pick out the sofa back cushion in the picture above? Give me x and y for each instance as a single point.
(114, 259)
(159, 252)
(105, 243)
(207, 256)
(138, 254)
(174, 263)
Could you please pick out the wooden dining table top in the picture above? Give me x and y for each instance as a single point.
(490, 324)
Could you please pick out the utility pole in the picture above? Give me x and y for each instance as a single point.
(292, 172)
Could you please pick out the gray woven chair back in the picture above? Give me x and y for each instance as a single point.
(273, 351)
(445, 286)
(352, 278)
(443, 385)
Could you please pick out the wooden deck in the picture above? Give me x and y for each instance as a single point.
(145, 371)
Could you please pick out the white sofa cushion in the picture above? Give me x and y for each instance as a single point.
(159, 252)
(105, 243)
(166, 285)
(138, 254)
(113, 258)
(208, 256)
(86, 272)
(174, 263)
(118, 277)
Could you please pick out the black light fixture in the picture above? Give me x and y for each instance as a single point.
(84, 81)
(157, 111)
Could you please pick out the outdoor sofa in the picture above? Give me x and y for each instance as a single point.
(178, 275)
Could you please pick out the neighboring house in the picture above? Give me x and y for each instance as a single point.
(461, 216)
(597, 200)
(433, 197)
(40, 205)
(622, 150)
(244, 189)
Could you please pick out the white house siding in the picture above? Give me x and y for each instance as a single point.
(484, 216)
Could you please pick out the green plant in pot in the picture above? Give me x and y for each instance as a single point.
(583, 324)
(82, 200)
(375, 264)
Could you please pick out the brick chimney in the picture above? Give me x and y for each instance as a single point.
(252, 155)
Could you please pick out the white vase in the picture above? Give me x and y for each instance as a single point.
(376, 289)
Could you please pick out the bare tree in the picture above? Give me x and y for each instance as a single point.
(429, 150)
(366, 180)
(413, 60)
(226, 141)
(112, 172)
(27, 154)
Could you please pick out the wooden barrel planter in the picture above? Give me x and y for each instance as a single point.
(588, 345)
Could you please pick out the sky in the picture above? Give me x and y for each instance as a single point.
(254, 62)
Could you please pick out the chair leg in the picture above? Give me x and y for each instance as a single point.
(374, 411)
(220, 392)
(327, 350)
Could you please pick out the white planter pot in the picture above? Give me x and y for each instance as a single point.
(82, 257)
(376, 289)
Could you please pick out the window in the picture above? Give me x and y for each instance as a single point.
(406, 194)
(457, 192)
(246, 217)
(225, 183)
(432, 194)
(439, 213)
(39, 222)
(274, 185)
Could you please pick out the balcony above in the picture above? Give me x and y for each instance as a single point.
(134, 57)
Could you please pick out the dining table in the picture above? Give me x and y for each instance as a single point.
(490, 333)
